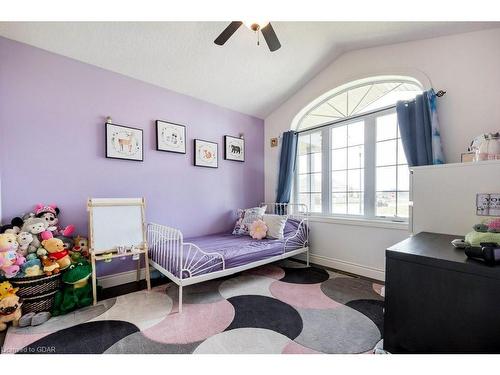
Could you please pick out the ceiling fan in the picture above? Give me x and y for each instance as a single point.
(264, 27)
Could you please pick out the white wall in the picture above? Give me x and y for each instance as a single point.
(465, 65)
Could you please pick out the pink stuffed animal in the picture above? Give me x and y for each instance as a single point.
(50, 213)
(258, 230)
(10, 260)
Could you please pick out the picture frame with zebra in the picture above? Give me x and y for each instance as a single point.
(124, 142)
(234, 148)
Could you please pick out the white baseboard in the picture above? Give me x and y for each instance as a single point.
(342, 265)
(120, 278)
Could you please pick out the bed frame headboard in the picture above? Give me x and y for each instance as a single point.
(298, 210)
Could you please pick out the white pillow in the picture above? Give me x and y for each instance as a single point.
(275, 225)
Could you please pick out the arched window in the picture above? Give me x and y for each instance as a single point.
(350, 159)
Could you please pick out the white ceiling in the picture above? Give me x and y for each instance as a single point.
(182, 57)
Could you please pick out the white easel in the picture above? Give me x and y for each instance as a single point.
(117, 222)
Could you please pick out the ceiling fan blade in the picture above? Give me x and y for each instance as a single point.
(228, 31)
(271, 38)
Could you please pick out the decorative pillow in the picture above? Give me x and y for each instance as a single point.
(275, 225)
(247, 217)
(258, 230)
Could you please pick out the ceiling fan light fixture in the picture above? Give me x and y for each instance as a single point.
(256, 25)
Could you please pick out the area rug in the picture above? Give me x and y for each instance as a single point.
(278, 308)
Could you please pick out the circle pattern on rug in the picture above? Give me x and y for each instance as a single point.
(246, 284)
(265, 312)
(310, 275)
(244, 341)
(345, 289)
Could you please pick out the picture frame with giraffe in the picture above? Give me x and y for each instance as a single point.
(124, 142)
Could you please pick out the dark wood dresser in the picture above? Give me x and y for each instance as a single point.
(439, 301)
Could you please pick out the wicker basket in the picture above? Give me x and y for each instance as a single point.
(37, 292)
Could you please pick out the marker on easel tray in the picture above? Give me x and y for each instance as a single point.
(107, 257)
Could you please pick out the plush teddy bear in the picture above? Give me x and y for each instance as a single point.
(50, 266)
(10, 311)
(50, 214)
(56, 251)
(35, 226)
(24, 239)
(10, 260)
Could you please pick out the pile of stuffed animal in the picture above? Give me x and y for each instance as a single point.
(36, 244)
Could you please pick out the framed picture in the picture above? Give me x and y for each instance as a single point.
(124, 142)
(205, 154)
(234, 148)
(170, 137)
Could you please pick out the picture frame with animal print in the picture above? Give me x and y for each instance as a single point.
(206, 154)
(124, 142)
(234, 148)
(170, 137)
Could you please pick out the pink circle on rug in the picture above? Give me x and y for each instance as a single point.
(196, 322)
(268, 270)
(306, 296)
(294, 348)
(15, 342)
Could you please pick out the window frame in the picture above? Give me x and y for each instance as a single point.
(370, 142)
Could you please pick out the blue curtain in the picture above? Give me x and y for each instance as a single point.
(419, 129)
(287, 166)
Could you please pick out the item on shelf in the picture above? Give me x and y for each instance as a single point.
(77, 291)
(6, 289)
(486, 231)
(56, 251)
(486, 147)
(489, 252)
(10, 259)
(10, 311)
(50, 213)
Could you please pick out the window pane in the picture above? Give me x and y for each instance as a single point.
(316, 182)
(355, 157)
(387, 127)
(401, 153)
(403, 177)
(339, 181)
(303, 144)
(304, 199)
(316, 202)
(356, 133)
(316, 162)
(386, 178)
(355, 204)
(355, 180)
(316, 142)
(386, 153)
(339, 203)
(339, 136)
(403, 199)
(303, 164)
(303, 183)
(339, 159)
(385, 204)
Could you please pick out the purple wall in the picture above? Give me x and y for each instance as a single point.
(52, 113)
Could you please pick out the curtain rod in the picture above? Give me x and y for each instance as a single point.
(439, 94)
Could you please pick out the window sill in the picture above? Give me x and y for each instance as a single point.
(374, 223)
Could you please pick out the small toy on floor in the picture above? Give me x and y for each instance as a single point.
(77, 291)
(10, 311)
(34, 319)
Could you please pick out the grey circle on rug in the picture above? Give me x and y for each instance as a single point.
(339, 330)
(345, 289)
(137, 343)
(206, 292)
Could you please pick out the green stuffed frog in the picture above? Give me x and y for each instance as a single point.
(77, 292)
